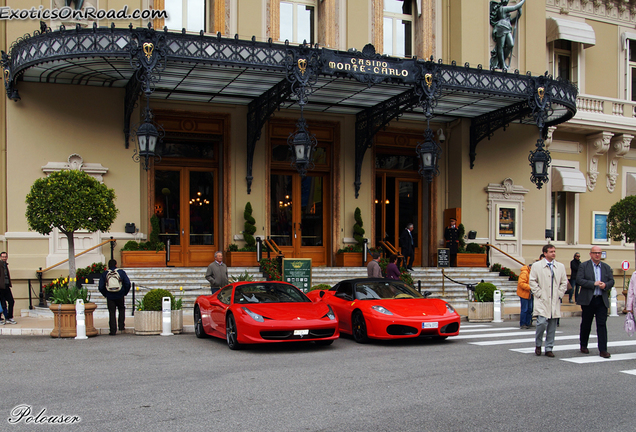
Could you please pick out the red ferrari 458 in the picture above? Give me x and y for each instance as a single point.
(387, 309)
(262, 312)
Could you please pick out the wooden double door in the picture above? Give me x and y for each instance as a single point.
(299, 219)
(186, 203)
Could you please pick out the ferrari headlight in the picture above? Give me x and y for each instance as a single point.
(330, 314)
(382, 310)
(255, 316)
(449, 308)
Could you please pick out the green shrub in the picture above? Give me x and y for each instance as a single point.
(153, 298)
(242, 277)
(484, 292)
(320, 287)
(495, 267)
(475, 248)
(153, 242)
(250, 227)
(358, 231)
(460, 233)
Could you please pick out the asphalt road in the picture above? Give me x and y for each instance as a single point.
(154, 383)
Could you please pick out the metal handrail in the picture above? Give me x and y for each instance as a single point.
(506, 254)
(81, 253)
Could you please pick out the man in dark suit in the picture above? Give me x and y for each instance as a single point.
(451, 235)
(596, 280)
(407, 246)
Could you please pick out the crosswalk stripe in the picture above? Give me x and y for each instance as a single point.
(524, 340)
(462, 330)
(631, 371)
(597, 359)
(575, 346)
(494, 335)
(474, 325)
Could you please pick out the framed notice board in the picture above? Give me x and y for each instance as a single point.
(297, 271)
(443, 257)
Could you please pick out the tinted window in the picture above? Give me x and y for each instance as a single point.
(225, 295)
(385, 290)
(268, 293)
(345, 288)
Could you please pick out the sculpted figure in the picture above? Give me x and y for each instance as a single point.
(502, 32)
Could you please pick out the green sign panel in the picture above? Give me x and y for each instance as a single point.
(297, 271)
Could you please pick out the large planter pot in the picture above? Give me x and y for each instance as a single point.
(143, 258)
(241, 259)
(481, 311)
(350, 259)
(64, 322)
(471, 260)
(150, 322)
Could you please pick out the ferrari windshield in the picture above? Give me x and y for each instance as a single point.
(268, 293)
(385, 290)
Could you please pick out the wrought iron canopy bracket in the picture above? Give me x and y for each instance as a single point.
(485, 125)
(372, 120)
(428, 86)
(302, 65)
(133, 91)
(540, 101)
(258, 112)
(148, 56)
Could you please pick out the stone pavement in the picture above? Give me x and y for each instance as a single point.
(39, 322)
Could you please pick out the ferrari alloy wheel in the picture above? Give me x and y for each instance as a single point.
(359, 327)
(230, 333)
(198, 324)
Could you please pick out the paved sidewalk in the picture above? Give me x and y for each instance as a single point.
(40, 323)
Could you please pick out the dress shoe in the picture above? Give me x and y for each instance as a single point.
(549, 354)
(537, 351)
(585, 350)
(605, 354)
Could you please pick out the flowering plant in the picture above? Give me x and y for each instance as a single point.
(95, 268)
(271, 269)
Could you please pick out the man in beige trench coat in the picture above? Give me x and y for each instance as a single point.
(548, 282)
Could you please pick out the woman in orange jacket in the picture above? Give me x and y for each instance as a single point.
(523, 291)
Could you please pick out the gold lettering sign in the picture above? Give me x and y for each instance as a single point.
(375, 67)
(148, 48)
(302, 65)
(429, 79)
(541, 93)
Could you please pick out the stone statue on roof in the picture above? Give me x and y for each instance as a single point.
(504, 32)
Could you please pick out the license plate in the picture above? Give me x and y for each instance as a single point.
(426, 325)
(301, 332)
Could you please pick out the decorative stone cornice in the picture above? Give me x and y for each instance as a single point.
(75, 162)
(597, 145)
(619, 146)
(548, 139)
(616, 11)
(506, 190)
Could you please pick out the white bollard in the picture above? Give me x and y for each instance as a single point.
(613, 303)
(80, 319)
(497, 314)
(166, 317)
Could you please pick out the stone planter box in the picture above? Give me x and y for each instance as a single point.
(471, 260)
(241, 259)
(481, 311)
(64, 323)
(143, 259)
(150, 322)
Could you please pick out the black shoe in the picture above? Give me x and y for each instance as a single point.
(549, 354)
(112, 333)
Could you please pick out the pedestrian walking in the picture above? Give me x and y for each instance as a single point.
(115, 285)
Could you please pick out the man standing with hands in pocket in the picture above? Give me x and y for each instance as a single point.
(596, 280)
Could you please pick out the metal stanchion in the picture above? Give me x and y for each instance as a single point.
(80, 319)
(112, 248)
(497, 311)
(259, 249)
(166, 317)
(133, 299)
(365, 251)
(42, 301)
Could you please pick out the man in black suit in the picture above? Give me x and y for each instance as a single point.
(451, 235)
(596, 280)
(407, 246)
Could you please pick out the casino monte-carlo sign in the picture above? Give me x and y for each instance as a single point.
(368, 66)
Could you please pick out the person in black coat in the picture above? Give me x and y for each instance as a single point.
(115, 300)
(574, 270)
(451, 235)
(408, 246)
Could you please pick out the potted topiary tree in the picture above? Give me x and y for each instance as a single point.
(482, 306)
(351, 256)
(148, 314)
(246, 256)
(145, 254)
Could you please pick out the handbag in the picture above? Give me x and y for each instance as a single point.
(630, 326)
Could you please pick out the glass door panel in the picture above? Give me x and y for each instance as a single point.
(311, 218)
(407, 213)
(281, 217)
(168, 205)
(202, 208)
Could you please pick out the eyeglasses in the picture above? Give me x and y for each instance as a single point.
(596, 253)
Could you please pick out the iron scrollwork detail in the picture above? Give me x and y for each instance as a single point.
(302, 65)
(148, 56)
(428, 86)
(540, 100)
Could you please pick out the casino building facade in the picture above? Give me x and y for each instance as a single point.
(396, 100)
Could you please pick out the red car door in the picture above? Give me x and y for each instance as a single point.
(340, 301)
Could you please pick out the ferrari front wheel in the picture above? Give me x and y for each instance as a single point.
(231, 334)
(359, 327)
